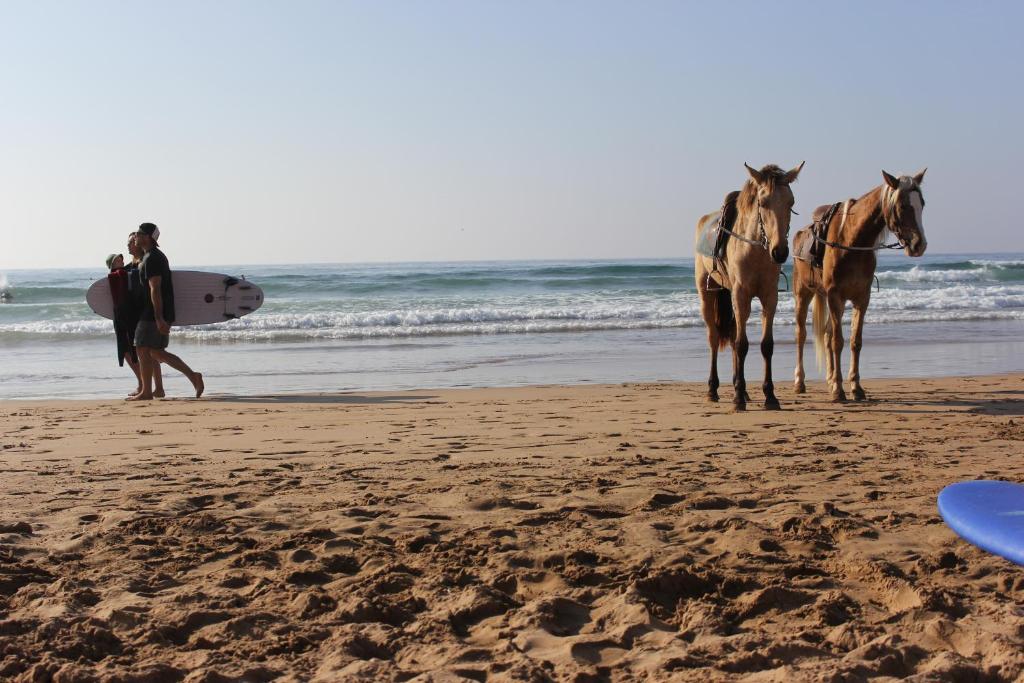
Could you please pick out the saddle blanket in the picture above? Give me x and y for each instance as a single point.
(803, 245)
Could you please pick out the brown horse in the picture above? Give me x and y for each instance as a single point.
(758, 244)
(854, 232)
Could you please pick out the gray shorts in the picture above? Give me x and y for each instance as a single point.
(149, 337)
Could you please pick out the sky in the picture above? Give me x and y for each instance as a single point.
(299, 132)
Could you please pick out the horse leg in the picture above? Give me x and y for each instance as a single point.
(856, 343)
(709, 311)
(802, 303)
(768, 305)
(829, 365)
(741, 309)
(836, 304)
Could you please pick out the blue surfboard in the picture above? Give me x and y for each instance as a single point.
(989, 514)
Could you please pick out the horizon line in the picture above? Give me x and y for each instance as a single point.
(469, 261)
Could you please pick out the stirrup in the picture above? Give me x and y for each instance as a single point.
(709, 280)
(786, 278)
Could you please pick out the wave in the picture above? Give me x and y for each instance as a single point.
(1016, 264)
(966, 271)
(347, 284)
(342, 286)
(964, 302)
(258, 335)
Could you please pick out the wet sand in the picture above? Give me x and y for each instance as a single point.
(618, 532)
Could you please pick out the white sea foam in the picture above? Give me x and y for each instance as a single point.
(957, 302)
(918, 274)
(955, 289)
(997, 263)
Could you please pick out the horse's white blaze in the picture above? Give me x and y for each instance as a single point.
(915, 201)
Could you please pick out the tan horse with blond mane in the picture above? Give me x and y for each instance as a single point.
(849, 234)
(758, 243)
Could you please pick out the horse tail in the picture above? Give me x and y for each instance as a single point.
(725, 320)
(820, 307)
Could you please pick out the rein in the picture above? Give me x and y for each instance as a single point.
(763, 243)
(827, 219)
(834, 245)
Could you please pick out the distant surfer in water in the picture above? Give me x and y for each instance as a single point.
(154, 328)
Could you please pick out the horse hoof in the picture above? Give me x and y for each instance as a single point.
(712, 398)
(739, 407)
(800, 388)
(772, 405)
(859, 395)
(839, 398)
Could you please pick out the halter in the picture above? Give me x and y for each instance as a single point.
(763, 243)
(899, 238)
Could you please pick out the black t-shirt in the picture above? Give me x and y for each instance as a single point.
(154, 264)
(136, 291)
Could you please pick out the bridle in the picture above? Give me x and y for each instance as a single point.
(764, 242)
(900, 243)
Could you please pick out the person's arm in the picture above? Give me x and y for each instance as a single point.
(156, 296)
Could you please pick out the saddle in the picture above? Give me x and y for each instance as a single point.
(712, 239)
(807, 246)
(726, 221)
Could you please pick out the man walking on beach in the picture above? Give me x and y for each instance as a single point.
(153, 332)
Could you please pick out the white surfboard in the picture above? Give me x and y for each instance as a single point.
(199, 298)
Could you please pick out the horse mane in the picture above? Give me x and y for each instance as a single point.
(748, 195)
(890, 196)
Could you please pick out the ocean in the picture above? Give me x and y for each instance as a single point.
(385, 327)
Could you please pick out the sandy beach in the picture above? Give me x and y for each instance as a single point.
(586, 533)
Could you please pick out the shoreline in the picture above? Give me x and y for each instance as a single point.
(389, 327)
(524, 533)
(816, 391)
(245, 369)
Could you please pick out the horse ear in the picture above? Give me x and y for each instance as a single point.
(756, 175)
(919, 178)
(892, 182)
(791, 175)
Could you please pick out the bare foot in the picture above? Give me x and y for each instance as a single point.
(197, 382)
(140, 397)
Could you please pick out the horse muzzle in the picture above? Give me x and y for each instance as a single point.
(780, 253)
(917, 247)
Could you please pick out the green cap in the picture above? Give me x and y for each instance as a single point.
(110, 260)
